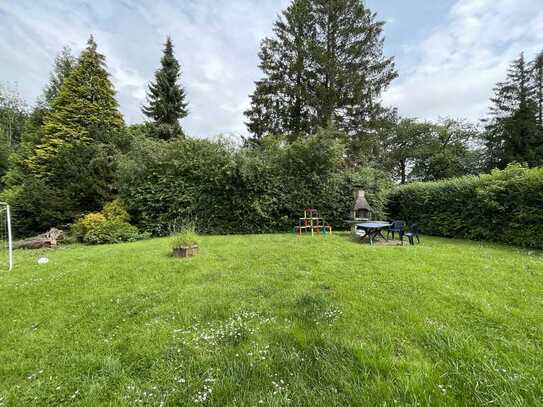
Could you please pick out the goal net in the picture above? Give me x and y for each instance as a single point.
(6, 239)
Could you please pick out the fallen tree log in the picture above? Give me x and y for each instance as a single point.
(45, 240)
(33, 244)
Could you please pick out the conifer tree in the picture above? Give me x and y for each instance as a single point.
(69, 169)
(84, 110)
(325, 64)
(281, 102)
(33, 129)
(166, 97)
(63, 66)
(512, 133)
(538, 87)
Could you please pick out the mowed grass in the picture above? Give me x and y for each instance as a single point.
(274, 320)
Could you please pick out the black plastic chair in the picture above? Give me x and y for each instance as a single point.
(396, 226)
(412, 234)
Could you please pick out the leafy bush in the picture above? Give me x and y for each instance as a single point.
(108, 226)
(112, 231)
(187, 236)
(116, 209)
(504, 206)
(253, 189)
(86, 224)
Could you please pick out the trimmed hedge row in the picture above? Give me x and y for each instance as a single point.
(504, 206)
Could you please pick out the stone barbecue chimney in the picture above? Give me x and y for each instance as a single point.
(362, 209)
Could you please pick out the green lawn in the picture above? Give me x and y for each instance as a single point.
(274, 320)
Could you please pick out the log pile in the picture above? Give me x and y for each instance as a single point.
(45, 240)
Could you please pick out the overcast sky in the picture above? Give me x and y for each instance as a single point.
(449, 53)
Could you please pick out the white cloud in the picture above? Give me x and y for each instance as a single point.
(450, 72)
(460, 62)
(216, 43)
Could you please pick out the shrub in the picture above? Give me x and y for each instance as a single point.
(86, 224)
(108, 226)
(112, 231)
(504, 206)
(116, 209)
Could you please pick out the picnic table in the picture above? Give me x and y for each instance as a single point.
(372, 230)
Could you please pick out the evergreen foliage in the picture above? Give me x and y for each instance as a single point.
(281, 102)
(538, 87)
(81, 179)
(84, 108)
(32, 128)
(166, 97)
(63, 66)
(13, 118)
(504, 206)
(317, 123)
(66, 167)
(514, 132)
(325, 64)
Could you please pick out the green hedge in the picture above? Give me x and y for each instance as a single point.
(226, 189)
(504, 206)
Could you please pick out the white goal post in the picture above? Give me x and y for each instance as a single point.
(6, 237)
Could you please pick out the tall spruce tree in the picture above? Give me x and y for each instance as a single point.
(166, 97)
(512, 132)
(325, 64)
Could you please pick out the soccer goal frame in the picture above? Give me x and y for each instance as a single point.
(4, 207)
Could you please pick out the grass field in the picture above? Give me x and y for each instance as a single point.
(274, 320)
